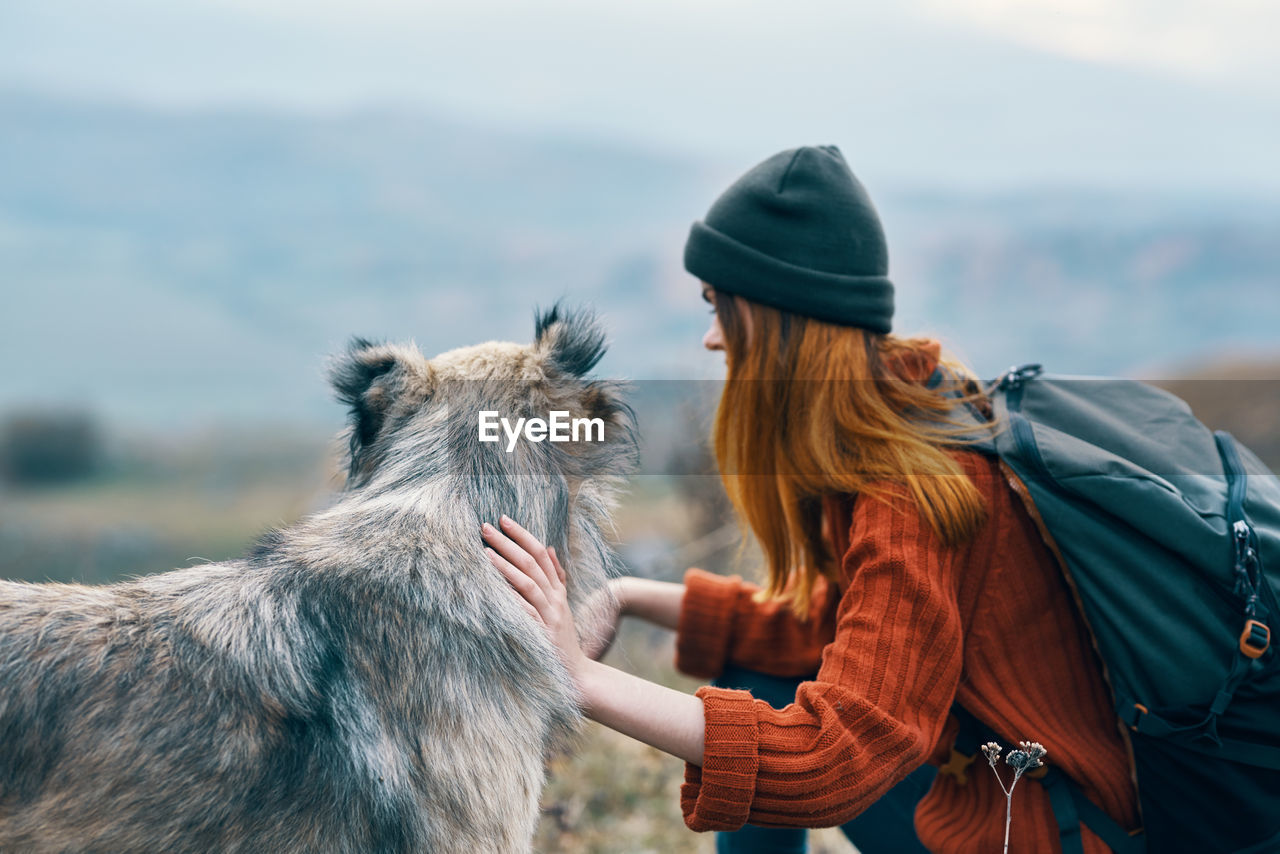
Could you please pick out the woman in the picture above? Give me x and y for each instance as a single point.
(903, 571)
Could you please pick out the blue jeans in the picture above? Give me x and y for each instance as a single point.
(886, 827)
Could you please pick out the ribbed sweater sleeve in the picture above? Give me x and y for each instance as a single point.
(706, 619)
(874, 711)
(721, 622)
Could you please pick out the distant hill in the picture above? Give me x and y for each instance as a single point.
(164, 264)
(1241, 397)
(1088, 283)
(176, 268)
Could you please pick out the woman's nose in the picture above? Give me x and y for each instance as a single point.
(714, 337)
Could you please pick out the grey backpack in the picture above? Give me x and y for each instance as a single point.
(1169, 536)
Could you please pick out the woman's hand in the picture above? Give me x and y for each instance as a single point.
(655, 601)
(606, 608)
(535, 572)
(655, 714)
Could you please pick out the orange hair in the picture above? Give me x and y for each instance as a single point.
(811, 409)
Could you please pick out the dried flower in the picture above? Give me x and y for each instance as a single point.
(1018, 760)
(1025, 758)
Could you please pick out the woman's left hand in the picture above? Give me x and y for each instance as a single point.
(535, 572)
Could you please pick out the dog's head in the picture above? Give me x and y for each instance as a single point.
(499, 421)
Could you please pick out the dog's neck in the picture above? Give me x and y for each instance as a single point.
(394, 522)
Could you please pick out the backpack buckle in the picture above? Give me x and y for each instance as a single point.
(1138, 711)
(1255, 640)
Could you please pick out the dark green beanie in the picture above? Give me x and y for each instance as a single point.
(798, 232)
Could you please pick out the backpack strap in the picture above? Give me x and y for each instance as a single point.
(1071, 807)
(1202, 736)
(1063, 801)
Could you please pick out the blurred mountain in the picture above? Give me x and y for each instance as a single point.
(168, 268)
(1242, 398)
(189, 263)
(1091, 282)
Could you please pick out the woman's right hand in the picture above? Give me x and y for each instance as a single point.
(657, 602)
(607, 610)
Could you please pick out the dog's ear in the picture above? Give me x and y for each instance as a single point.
(572, 339)
(375, 380)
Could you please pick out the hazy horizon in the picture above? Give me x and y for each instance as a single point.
(967, 94)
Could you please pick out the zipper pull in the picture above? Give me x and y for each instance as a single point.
(1246, 559)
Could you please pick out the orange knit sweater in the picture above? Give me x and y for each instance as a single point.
(910, 627)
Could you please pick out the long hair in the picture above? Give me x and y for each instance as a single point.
(811, 409)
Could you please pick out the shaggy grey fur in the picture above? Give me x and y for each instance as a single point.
(363, 681)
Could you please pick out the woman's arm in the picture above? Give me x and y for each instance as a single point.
(722, 623)
(661, 717)
(656, 601)
(877, 706)
(719, 621)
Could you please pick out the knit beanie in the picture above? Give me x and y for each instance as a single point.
(798, 232)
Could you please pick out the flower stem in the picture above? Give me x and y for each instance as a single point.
(1008, 819)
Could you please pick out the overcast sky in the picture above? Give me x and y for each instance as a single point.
(973, 93)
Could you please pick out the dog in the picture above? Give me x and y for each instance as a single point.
(361, 681)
